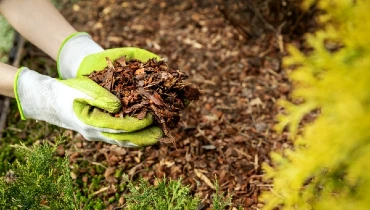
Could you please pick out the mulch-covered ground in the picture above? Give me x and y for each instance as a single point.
(228, 134)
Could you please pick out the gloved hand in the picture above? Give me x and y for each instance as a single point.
(72, 104)
(79, 55)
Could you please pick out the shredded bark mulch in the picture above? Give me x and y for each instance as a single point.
(229, 132)
(148, 87)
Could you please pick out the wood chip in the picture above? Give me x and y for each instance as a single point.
(204, 178)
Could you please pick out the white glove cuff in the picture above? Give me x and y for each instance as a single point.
(73, 51)
(30, 94)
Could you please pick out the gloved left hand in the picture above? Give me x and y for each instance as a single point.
(72, 104)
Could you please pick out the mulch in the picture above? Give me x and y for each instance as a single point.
(228, 133)
(149, 87)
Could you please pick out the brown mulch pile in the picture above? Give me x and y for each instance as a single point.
(147, 87)
(228, 133)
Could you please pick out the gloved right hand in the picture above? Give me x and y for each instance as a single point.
(80, 55)
(72, 104)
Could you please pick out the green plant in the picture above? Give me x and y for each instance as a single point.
(169, 195)
(19, 131)
(42, 182)
(219, 201)
(328, 167)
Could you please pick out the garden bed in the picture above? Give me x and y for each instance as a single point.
(226, 135)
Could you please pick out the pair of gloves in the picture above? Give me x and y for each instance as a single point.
(72, 101)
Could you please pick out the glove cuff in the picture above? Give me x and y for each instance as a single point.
(16, 93)
(73, 50)
(32, 93)
(27, 92)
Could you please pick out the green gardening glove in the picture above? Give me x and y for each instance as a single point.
(80, 55)
(98, 61)
(72, 104)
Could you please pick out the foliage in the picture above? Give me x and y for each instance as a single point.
(6, 39)
(42, 182)
(21, 131)
(169, 195)
(220, 202)
(85, 190)
(328, 167)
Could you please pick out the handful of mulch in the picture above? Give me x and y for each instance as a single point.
(148, 87)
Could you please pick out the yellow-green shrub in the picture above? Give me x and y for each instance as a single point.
(329, 167)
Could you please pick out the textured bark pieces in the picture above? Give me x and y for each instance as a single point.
(148, 87)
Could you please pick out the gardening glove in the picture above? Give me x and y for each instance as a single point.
(79, 55)
(74, 103)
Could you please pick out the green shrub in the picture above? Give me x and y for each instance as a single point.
(219, 201)
(329, 165)
(169, 195)
(42, 182)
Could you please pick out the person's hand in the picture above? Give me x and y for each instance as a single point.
(74, 104)
(79, 55)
